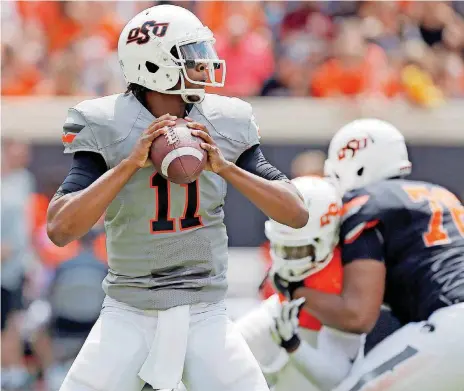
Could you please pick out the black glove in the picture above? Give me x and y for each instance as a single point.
(285, 287)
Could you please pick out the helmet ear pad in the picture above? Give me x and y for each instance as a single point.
(159, 73)
(172, 78)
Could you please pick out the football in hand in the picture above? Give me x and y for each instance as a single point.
(177, 155)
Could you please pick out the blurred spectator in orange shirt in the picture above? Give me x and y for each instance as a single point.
(215, 14)
(18, 76)
(357, 67)
(20, 63)
(81, 19)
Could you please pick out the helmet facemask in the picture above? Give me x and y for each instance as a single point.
(187, 55)
(191, 55)
(296, 262)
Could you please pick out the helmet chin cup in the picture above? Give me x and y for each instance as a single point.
(193, 96)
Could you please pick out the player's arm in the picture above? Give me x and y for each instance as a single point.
(357, 308)
(260, 182)
(330, 361)
(323, 370)
(84, 196)
(254, 327)
(88, 190)
(253, 162)
(279, 200)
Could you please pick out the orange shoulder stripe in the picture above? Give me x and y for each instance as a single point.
(356, 202)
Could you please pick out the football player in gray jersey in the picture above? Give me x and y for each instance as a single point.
(164, 318)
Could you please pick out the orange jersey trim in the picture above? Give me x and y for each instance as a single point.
(370, 224)
(68, 138)
(356, 202)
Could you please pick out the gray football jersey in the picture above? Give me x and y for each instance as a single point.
(167, 243)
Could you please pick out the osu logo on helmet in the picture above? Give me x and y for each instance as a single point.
(352, 147)
(333, 211)
(140, 34)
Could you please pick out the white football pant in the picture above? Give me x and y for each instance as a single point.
(216, 356)
(423, 356)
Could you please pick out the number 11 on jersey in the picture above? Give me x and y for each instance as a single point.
(163, 223)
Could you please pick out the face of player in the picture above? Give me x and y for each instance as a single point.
(198, 73)
(201, 64)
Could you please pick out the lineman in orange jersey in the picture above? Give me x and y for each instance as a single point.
(282, 342)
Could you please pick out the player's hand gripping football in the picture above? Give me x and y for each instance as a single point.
(284, 330)
(216, 160)
(141, 150)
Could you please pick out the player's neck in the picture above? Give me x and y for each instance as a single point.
(160, 104)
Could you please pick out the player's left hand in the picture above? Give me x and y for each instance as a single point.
(284, 330)
(216, 161)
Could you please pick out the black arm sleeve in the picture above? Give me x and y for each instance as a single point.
(86, 168)
(253, 160)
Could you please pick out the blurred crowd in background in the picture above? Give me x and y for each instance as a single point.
(388, 49)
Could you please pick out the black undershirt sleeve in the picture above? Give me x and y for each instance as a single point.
(86, 168)
(253, 160)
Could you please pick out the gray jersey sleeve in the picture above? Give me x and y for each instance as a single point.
(253, 132)
(77, 134)
(95, 125)
(231, 123)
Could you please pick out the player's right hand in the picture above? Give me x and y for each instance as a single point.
(141, 150)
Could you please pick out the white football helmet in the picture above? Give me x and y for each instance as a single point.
(158, 45)
(298, 253)
(365, 151)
